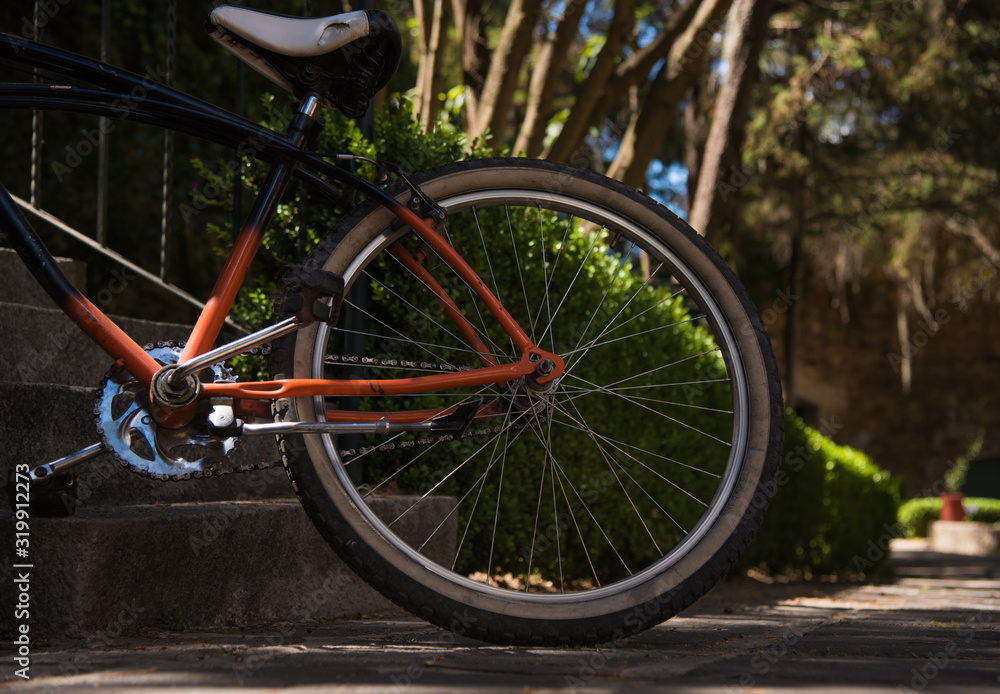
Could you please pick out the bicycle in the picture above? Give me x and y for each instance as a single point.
(553, 358)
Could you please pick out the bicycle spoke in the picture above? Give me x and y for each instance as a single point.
(520, 275)
(632, 457)
(468, 398)
(638, 398)
(440, 482)
(572, 283)
(479, 482)
(534, 530)
(473, 299)
(546, 274)
(563, 476)
(403, 338)
(419, 311)
(496, 514)
(608, 460)
(674, 385)
(665, 416)
(656, 368)
(621, 445)
(569, 507)
(629, 337)
(489, 264)
(597, 309)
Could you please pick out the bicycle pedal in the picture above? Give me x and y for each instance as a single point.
(310, 294)
(55, 497)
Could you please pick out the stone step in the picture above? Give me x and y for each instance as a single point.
(19, 287)
(42, 345)
(110, 570)
(43, 422)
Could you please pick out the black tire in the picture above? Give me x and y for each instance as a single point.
(585, 492)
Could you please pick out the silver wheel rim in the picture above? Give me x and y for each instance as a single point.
(693, 286)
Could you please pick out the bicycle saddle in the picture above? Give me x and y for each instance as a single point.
(345, 58)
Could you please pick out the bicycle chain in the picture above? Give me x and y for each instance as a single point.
(217, 472)
(344, 453)
(428, 440)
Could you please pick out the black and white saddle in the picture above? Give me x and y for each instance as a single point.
(344, 58)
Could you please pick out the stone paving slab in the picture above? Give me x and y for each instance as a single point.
(912, 635)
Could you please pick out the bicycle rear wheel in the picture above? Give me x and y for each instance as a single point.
(578, 515)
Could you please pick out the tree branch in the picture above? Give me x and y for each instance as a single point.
(544, 77)
(432, 16)
(637, 67)
(731, 106)
(589, 94)
(471, 25)
(648, 126)
(505, 67)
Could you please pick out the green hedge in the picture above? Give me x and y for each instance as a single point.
(830, 501)
(833, 511)
(916, 514)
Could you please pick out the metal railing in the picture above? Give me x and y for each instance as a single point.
(98, 239)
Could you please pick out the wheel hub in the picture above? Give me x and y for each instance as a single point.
(527, 395)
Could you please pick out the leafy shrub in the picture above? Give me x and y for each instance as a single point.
(915, 514)
(648, 349)
(830, 500)
(832, 505)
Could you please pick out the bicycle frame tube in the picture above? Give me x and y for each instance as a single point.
(125, 95)
(80, 310)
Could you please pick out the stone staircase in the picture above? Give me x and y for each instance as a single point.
(236, 549)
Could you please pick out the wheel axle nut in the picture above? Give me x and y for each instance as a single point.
(545, 367)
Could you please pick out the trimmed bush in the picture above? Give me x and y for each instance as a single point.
(915, 514)
(834, 510)
(830, 502)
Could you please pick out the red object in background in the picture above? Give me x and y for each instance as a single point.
(951, 506)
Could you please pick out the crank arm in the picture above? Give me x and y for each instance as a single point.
(44, 472)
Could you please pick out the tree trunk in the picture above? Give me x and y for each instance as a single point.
(636, 68)
(694, 137)
(432, 18)
(648, 126)
(497, 96)
(725, 135)
(582, 115)
(546, 74)
(795, 272)
(471, 25)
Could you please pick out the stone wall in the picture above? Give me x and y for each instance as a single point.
(848, 381)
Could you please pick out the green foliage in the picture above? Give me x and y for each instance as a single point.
(916, 514)
(304, 217)
(830, 501)
(173, 620)
(954, 478)
(874, 124)
(611, 282)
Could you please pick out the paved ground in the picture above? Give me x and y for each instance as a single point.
(935, 628)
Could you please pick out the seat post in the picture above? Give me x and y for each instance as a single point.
(301, 126)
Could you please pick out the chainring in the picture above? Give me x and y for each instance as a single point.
(128, 431)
